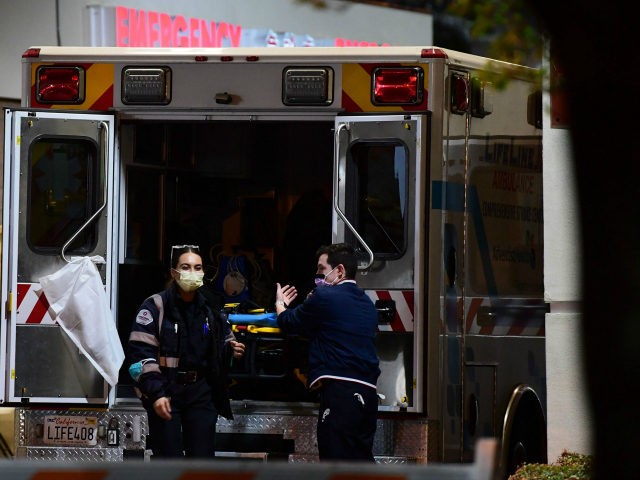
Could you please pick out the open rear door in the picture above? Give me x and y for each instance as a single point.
(56, 207)
(379, 186)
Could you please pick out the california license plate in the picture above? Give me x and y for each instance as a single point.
(70, 430)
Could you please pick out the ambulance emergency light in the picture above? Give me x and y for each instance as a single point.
(307, 86)
(397, 86)
(60, 84)
(459, 94)
(146, 85)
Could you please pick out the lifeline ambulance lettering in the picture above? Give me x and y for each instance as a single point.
(512, 212)
(523, 156)
(512, 182)
(141, 28)
(515, 255)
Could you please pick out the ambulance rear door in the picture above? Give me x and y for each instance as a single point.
(379, 183)
(57, 206)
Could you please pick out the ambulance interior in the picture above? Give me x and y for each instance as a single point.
(255, 196)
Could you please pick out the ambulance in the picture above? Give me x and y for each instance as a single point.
(420, 157)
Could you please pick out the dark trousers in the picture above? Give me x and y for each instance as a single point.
(346, 421)
(192, 428)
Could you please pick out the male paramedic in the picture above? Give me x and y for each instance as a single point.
(340, 321)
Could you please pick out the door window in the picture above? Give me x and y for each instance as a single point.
(61, 194)
(377, 195)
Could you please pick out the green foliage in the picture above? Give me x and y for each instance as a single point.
(513, 30)
(569, 466)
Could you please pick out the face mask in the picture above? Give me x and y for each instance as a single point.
(321, 279)
(189, 281)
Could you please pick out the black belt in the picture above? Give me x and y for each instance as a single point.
(185, 377)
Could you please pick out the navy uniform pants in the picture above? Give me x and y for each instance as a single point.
(346, 421)
(192, 428)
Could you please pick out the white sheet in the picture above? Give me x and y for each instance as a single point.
(78, 301)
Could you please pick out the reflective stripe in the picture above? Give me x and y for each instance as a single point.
(170, 362)
(144, 338)
(160, 306)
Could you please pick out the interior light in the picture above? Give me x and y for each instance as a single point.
(60, 84)
(397, 86)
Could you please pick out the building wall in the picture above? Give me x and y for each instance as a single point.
(33, 22)
(569, 421)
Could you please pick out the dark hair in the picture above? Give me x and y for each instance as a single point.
(340, 253)
(178, 250)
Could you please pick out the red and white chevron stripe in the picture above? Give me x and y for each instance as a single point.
(32, 305)
(510, 326)
(403, 320)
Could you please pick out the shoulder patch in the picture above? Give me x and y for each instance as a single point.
(144, 317)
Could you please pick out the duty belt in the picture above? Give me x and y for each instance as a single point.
(184, 377)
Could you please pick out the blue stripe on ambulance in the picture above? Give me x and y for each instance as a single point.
(449, 196)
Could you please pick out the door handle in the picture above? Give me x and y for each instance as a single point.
(105, 129)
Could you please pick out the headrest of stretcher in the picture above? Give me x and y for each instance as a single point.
(269, 319)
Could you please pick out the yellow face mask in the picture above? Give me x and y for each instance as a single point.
(189, 281)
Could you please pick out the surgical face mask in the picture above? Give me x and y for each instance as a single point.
(189, 281)
(321, 279)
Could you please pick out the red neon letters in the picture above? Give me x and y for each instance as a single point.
(141, 28)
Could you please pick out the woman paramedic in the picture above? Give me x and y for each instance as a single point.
(178, 349)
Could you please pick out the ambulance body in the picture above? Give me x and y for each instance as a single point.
(259, 156)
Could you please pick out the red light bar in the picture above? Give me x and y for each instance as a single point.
(31, 53)
(60, 84)
(397, 86)
(432, 53)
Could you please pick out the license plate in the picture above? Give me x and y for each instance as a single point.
(70, 430)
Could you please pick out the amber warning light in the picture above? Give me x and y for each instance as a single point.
(60, 84)
(397, 86)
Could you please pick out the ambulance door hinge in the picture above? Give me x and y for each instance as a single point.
(386, 311)
(8, 305)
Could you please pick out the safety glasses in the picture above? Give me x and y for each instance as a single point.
(179, 247)
(182, 248)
